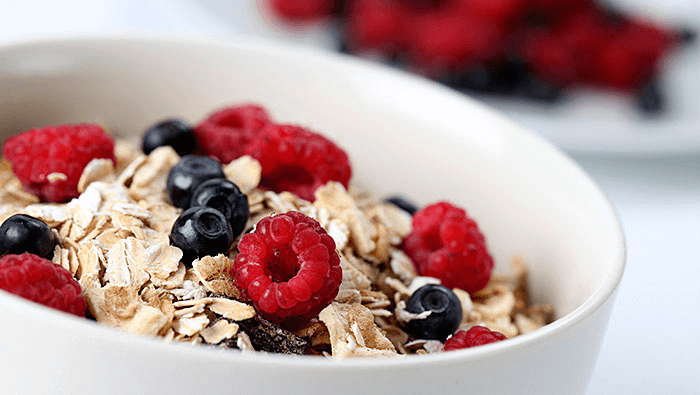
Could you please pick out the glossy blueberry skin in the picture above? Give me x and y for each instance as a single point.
(23, 233)
(187, 174)
(201, 231)
(402, 203)
(445, 316)
(173, 132)
(225, 196)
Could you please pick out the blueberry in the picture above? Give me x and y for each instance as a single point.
(541, 90)
(201, 231)
(23, 233)
(403, 204)
(187, 174)
(223, 195)
(173, 132)
(686, 36)
(651, 99)
(445, 316)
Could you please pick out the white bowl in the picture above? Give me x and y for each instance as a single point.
(403, 134)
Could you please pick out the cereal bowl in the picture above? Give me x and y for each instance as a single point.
(404, 135)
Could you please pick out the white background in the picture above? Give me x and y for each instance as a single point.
(653, 342)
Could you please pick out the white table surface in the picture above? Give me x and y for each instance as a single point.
(652, 345)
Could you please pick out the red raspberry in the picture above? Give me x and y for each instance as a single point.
(297, 160)
(42, 281)
(451, 38)
(289, 268)
(446, 244)
(303, 9)
(225, 133)
(59, 150)
(372, 24)
(475, 336)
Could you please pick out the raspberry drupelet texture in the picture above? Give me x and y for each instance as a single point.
(446, 244)
(289, 268)
(475, 336)
(225, 133)
(42, 281)
(298, 160)
(49, 161)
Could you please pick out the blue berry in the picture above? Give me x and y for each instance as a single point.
(23, 233)
(445, 312)
(187, 174)
(403, 204)
(173, 132)
(223, 195)
(201, 231)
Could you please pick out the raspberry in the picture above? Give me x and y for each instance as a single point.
(225, 133)
(446, 244)
(372, 24)
(289, 268)
(303, 9)
(297, 160)
(475, 336)
(49, 161)
(42, 281)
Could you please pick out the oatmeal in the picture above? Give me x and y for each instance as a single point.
(115, 239)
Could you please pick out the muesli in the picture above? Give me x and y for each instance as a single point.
(319, 267)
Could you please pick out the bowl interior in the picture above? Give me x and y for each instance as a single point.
(404, 136)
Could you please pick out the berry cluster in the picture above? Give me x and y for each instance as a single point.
(293, 158)
(534, 48)
(288, 267)
(26, 245)
(216, 211)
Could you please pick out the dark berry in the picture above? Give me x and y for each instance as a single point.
(445, 312)
(23, 233)
(223, 195)
(201, 231)
(187, 174)
(687, 36)
(173, 132)
(403, 204)
(541, 90)
(651, 100)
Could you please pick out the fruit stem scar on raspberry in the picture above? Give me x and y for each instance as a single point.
(42, 281)
(289, 268)
(49, 161)
(447, 244)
